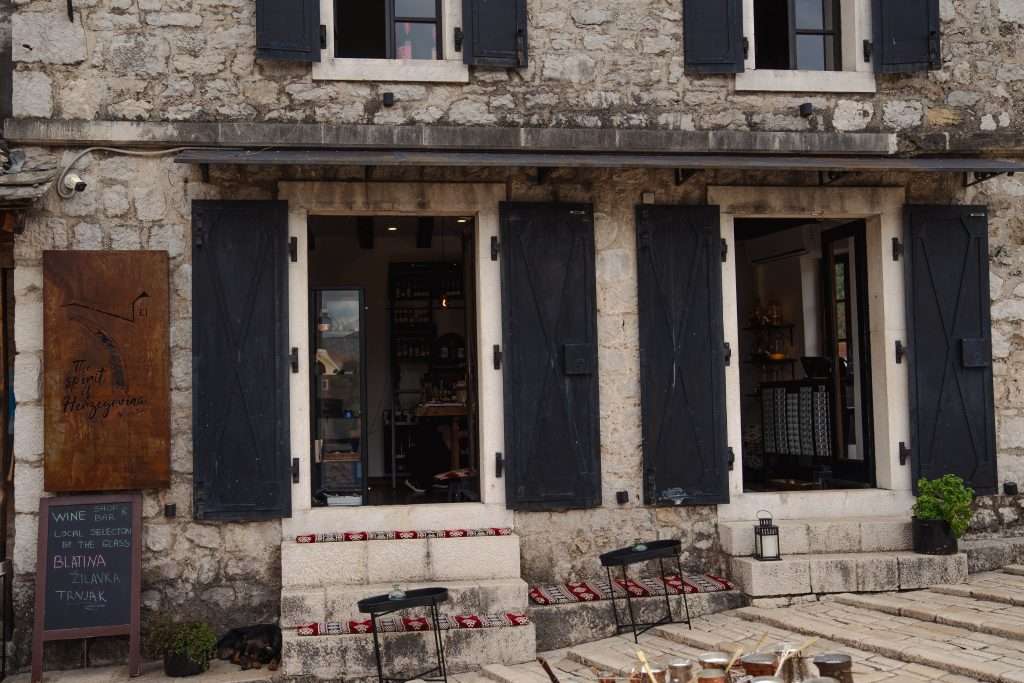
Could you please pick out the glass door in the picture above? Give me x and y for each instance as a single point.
(339, 425)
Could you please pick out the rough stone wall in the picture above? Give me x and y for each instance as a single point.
(228, 574)
(593, 63)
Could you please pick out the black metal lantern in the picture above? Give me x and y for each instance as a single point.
(766, 538)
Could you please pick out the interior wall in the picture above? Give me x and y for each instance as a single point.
(338, 261)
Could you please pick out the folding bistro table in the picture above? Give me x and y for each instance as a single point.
(644, 552)
(382, 605)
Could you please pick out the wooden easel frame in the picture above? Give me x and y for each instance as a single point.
(41, 636)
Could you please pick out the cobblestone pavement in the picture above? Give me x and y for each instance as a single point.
(954, 633)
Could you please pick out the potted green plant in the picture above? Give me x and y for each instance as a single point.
(942, 514)
(186, 647)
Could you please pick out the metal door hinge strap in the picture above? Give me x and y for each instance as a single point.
(725, 250)
(905, 453)
(495, 248)
(728, 354)
(499, 465)
(897, 249)
(293, 359)
(901, 351)
(293, 249)
(497, 357)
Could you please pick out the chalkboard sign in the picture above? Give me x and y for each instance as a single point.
(87, 576)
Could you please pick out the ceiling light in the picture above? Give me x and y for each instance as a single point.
(462, 220)
(392, 228)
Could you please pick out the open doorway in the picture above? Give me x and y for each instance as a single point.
(805, 377)
(393, 388)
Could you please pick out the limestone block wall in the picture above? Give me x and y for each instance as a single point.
(593, 63)
(229, 573)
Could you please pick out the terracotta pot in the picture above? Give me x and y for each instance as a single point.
(712, 676)
(933, 537)
(759, 664)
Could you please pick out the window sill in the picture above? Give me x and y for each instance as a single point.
(777, 80)
(394, 70)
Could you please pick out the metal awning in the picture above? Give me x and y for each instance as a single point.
(342, 157)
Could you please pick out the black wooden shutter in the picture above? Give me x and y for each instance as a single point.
(949, 341)
(906, 35)
(288, 29)
(682, 363)
(240, 370)
(713, 36)
(494, 33)
(552, 434)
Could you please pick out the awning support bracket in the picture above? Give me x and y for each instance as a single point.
(978, 177)
(683, 175)
(829, 177)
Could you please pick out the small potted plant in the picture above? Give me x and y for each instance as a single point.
(942, 514)
(186, 647)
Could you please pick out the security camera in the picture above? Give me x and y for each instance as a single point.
(74, 183)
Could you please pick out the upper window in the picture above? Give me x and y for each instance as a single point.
(388, 29)
(798, 34)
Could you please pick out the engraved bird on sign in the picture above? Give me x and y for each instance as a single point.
(99, 321)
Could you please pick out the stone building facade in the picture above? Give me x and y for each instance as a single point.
(148, 77)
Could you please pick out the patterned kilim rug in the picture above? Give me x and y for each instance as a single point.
(644, 587)
(407, 624)
(350, 536)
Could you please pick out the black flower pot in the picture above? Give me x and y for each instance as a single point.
(933, 537)
(179, 666)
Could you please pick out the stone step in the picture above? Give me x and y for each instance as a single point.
(566, 670)
(399, 561)
(350, 657)
(1000, 587)
(947, 648)
(979, 616)
(810, 536)
(845, 573)
(1015, 569)
(566, 625)
(989, 554)
(726, 632)
(314, 604)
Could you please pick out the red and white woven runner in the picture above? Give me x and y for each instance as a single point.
(412, 624)
(350, 536)
(598, 589)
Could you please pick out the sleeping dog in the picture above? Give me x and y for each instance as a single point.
(252, 646)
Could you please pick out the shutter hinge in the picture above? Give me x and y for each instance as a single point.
(499, 465)
(868, 50)
(746, 47)
(520, 48)
(295, 470)
(200, 236)
(293, 249)
(728, 354)
(458, 39)
(495, 248)
(323, 36)
(293, 359)
(901, 351)
(732, 458)
(934, 51)
(905, 453)
(725, 250)
(897, 249)
(497, 357)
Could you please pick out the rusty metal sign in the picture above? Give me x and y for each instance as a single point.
(106, 376)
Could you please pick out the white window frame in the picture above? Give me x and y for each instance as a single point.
(857, 75)
(447, 70)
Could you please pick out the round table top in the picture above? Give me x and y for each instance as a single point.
(641, 552)
(417, 597)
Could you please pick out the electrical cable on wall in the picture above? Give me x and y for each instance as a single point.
(67, 193)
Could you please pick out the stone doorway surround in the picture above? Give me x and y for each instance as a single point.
(882, 209)
(479, 200)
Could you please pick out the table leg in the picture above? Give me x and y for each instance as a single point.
(439, 643)
(615, 610)
(376, 649)
(686, 604)
(668, 602)
(629, 604)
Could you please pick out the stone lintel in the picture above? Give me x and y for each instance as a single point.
(48, 132)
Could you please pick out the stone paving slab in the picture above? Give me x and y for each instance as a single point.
(979, 616)
(152, 672)
(952, 649)
(999, 586)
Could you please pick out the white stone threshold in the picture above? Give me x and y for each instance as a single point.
(818, 504)
(396, 517)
